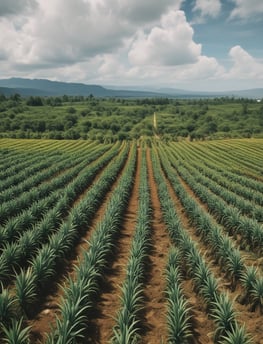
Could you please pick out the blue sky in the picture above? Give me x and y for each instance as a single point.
(187, 44)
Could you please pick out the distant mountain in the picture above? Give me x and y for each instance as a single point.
(44, 87)
(256, 93)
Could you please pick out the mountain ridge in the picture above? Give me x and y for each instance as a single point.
(45, 87)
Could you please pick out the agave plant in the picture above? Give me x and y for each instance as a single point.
(234, 267)
(236, 335)
(7, 307)
(257, 294)
(179, 320)
(178, 313)
(26, 291)
(9, 258)
(248, 279)
(43, 265)
(201, 274)
(224, 315)
(73, 321)
(16, 333)
(125, 333)
(209, 290)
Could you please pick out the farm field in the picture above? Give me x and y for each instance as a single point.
(131, 242)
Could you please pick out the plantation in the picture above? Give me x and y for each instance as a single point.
(132, 241)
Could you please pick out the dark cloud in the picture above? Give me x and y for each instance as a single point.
(138, 11)
(15, 7)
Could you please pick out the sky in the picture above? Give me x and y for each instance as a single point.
(208, 45)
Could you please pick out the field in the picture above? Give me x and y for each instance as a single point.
(131, 242)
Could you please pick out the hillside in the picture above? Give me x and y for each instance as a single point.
(44, 87)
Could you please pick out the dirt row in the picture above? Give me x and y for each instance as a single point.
(153, 324)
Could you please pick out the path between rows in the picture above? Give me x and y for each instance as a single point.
(155, 305)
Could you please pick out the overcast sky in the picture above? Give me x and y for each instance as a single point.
(189, 44)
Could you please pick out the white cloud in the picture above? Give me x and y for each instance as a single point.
(65, 32)
(247, 8)
(244, 65)
(210, 8)
(116, 42)
(168, 44)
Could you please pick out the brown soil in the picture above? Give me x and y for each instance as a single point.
(154, 327)
(48, 311)
(155, 308)
(103, 321)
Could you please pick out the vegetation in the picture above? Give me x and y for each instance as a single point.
(63, 205)
(111, 119)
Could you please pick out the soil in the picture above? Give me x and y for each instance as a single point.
(46, 313)
(103, 321)
(154, 311)
(153, 315)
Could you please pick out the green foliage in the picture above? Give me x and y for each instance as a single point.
(121, 119)
(16, 334)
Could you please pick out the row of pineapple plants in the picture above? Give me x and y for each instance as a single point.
(56, 166)
(81, 290)
(256, 197)
(26, 163)
(227, 149)
(227, 215)
(30, 186)
(224, 168)
(30, 207)
(224, 251)
(219, 306)
(234, 158)
(15, 160)
(30, 283)
(31, 166)
(179, 319)
(17, 253)
(127, 328)
(246, 207)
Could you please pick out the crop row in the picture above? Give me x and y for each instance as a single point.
(32, 281)
(227, 256)
(219, 305)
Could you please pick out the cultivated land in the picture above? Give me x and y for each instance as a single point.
(131, 242)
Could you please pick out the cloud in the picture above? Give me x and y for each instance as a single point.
(210, 8)
(170, 43)
(119, 41)
(246, 9)
(244, 65)
(66, 32)
(15, 7)
(138, 11)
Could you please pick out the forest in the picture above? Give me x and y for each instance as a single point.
(112, 119)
